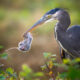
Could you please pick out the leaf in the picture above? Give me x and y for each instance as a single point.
(4, 56)
(61, 65)
(22, 74)
(10, 71)
(11, 78)
(1, 47)
(47, 55)
(43, 67)
(26, 69)
(53, 55)
(2, 77)
(38, 74)
(66, 61)
(77, 59)
(1, 71)
(73, 73)
(53, 59)
(63, 75)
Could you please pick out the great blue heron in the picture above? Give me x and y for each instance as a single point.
(68, 38)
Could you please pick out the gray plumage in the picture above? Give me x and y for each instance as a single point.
(68, 38)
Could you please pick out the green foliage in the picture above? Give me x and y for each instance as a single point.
(25, 74)
(4, 56)
(1, 46)
(71, 68)
(47, 55)
(11, 73)
(7, 74)
(28, 74)
(2, 77)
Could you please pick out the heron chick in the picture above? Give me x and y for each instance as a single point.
(25, 45)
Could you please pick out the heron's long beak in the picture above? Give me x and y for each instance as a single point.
(41, 21)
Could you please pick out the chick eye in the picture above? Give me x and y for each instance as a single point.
(20, 44)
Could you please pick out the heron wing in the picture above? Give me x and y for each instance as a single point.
(73, 35)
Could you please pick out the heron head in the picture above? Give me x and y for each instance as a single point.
(47, 17)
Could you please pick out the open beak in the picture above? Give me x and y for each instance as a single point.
(41, 21)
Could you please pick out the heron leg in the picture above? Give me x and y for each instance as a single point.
(62, 53)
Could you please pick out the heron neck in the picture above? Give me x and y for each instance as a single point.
(63, 23)
(61, 27)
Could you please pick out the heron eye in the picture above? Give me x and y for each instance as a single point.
(48, 16)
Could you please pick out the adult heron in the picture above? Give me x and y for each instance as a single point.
(68, 38)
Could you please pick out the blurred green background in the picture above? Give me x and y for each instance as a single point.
(16, 16)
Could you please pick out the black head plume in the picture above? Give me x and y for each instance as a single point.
(52, 11)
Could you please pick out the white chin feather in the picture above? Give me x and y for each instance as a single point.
(49, 20)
